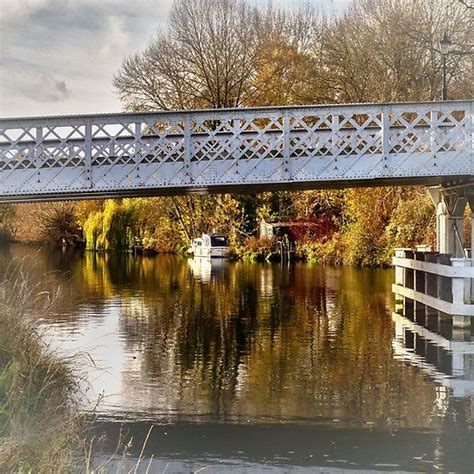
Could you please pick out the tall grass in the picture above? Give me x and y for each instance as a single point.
(39, 421)
(42, 429)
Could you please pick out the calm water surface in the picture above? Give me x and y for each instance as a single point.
(255, 368)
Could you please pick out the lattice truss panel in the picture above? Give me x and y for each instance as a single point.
(104, 153)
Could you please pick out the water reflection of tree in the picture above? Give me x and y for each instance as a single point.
(254, 341)
(276, 342)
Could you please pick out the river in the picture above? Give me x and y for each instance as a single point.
(253, 367)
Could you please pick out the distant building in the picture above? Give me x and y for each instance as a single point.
(295, 230)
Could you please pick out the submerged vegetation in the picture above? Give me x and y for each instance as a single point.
(249, 55)
(39, 424)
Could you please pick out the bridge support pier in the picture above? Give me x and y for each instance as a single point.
(442, 280)
(450, 205)
(471, 205)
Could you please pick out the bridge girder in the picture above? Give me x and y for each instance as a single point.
(240, 151)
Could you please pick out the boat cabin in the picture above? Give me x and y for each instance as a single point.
(210, 245)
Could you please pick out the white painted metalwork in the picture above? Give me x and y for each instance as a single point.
(455, 301)
(235, 150)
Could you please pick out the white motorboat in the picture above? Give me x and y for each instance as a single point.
(210, 245)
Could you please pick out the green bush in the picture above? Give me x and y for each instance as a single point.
(329, 252)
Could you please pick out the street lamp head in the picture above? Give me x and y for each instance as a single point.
(445, 44)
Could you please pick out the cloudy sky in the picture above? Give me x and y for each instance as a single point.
(59, 56)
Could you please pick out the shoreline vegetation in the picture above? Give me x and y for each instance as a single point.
(350, 227)
(40, 424)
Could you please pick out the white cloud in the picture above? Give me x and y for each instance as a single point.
(46, 88)
(52, 47)
(60, 56)
(14, 10)
(115, 36)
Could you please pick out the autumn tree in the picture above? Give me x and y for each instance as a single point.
(217, 54)
(286, 64)
(205, 58)
(388, 51)
(53, 223)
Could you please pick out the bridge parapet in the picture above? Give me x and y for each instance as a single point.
(234, 150)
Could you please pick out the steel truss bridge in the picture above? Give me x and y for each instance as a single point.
(238, 150)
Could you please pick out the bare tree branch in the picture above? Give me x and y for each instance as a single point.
(466, 4)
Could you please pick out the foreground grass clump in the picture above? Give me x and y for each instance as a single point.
(39, 425)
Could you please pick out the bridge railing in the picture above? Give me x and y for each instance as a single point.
(101, 153)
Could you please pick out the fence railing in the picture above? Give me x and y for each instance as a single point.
(437, 280)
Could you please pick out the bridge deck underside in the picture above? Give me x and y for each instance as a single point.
(237, 151)
(229, 189)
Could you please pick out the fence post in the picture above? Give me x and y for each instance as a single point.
(461, 286)
(400, 271)
(459, 293)
(444, 283)
(431, 281)
(420, 276)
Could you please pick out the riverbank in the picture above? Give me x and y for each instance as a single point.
(40, 425)
(359, 227)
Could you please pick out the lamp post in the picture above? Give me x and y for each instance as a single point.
(445, 46)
